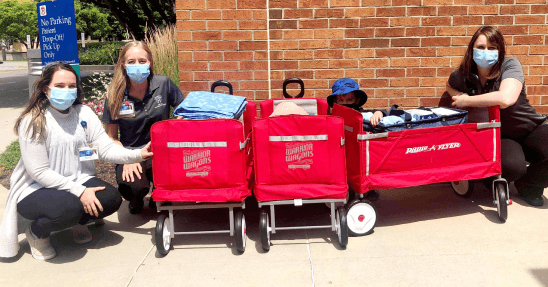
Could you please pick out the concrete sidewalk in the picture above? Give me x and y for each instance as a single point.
(13, 68)
(425, 236)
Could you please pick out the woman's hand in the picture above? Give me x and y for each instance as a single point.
(375, 118)
(130, 169)
(90, 202)
(460, 101)
(146, 152)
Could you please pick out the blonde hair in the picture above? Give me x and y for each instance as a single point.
(38, 102)
(120, 81)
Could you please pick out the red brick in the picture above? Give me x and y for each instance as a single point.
(433, 82)
(421, 52)
(186, 76)
(373, 83)
(428, 102)
(329, 74)
(260, 35)
(436, 2)
(460, 41)
(392, 94)
(206, 76)
(283, 24)
(183, 15)
(344, 3)
(534, 100)
(421, 72)
(237, 15)
(206, 15)
(405, 42)
(276, 34)
(304, 75)
(374, 22)
(541, 109)
(313, 44)
(260, 55)
(193, 66)
(373, 63)
(436, 21)
(190, 4)
(192, 46)
(406, 2)
(223, 66)
(260, 75)
(223, 45)
(254, 85)
(539, 9)
(283, 4)
(435, 62)
(252, 4)
(359, 73)
(298, 34)
(328, 33)
(390, 52)
(359, 12)
(328, 54)
(514, 9)
(221, 4)
(513, 30)
(185, 56)
(313, 24)
(275, 14)
(187, 87)
(377, 103)
(537, 90)
(533, 80)
(359, 33)
(184, 36)
(252, 25)
(404, 62)
(297, 13)
(530, 1)
(284, 45)
(421, 11)
(376, 2)
(420, 31)
(530, 19)
(191, 25)
(343, 64)
(314, 64)
(349, 43)
(451, 10)
(455, 61)
(253, 65)
(532, 40)
(208, 56)
(499, 20)
(405, 21)
(261, 95)
(222, 25)
(313, 3)
(467, 20)
(253, 45)
(299, 55)
(436, 41)
(206, 35)
(328, 13)
(259, 14)
(530, 60)
(538, 29)
(238, 56)
(389, 32)
(344, 23)
(517, 50)
(451, 51)
(499, 1)
(405, 82)
(539, 50)
(359, 53)
(483, 10)
(390, 73)
(451, 31)
(390, 12)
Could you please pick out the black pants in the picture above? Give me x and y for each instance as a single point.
(137, 190)
(53, 210)
(533, 148)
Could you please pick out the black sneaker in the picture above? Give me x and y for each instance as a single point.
(136, 207)
(530, 193)
(533, 200)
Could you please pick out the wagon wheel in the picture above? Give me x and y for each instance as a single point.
(163, 237)
(342, 227)
(361, 217)
(501, 200)
(463, 188)
(240, 231)
(264, 227)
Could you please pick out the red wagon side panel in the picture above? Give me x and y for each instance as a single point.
(289, 167)
(312, 106)
(199, 160)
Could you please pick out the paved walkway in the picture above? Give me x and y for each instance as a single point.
(13, 68)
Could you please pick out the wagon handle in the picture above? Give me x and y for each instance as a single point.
(221, 83)
(290, 81)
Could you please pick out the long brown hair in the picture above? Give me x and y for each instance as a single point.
(494, 36)
(120, 81)
(38, 102)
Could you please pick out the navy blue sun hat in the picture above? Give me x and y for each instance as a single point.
(344, 86)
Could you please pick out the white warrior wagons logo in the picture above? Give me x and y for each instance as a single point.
(432, 148)
(197, 162)
(299, 155)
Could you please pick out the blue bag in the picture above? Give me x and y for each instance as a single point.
(207, 105)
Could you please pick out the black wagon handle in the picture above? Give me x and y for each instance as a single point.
(290, 81)
(221, 83)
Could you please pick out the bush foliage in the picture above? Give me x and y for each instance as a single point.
(100, 53)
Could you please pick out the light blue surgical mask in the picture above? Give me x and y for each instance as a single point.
(485, 58)
(62, 99)
(138, 72)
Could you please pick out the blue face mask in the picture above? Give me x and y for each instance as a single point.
(485, 58)
(138, 73)
(62, 99)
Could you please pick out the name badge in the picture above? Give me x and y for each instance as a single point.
(127, 109)
(86, 154)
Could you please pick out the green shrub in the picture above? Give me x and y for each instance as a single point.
(163, 45)
(100, 53)
(11, 156)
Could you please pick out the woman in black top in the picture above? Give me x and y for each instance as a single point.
(486, 78)
(136, 99)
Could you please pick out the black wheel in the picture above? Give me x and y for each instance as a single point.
(361, 217)
(463, 188)
(342, 226)
(240, 231)
(163, 237)
(264, 226)
(501, 200)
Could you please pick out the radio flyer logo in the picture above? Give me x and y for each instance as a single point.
(299, 155)
(43, 11)
(432, 148)
(197, 162)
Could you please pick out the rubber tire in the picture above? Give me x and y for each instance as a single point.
(163, 222)
(355, 204)
(263, 227)
(342, 230)
(240, 231)
(501, 200)
(467, 191)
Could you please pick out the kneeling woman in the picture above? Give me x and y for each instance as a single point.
(54, 184)
(487, 78)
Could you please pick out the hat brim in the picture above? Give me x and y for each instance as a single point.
(362, 96)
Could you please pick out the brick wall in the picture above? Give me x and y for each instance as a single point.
(400, 51)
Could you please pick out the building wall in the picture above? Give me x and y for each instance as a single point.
(400, 51)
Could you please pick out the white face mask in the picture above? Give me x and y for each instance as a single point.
(486, 58)
(62, 99)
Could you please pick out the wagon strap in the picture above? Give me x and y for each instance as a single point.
(196, 144)
(297, 138)
(488, 125)
(362, 137)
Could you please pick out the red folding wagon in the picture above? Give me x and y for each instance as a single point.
(200, 164)
(453, 153)
(299, 160)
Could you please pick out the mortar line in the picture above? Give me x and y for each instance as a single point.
(268, 47)
(139, 266)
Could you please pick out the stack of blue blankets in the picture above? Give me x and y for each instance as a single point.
(206, 105)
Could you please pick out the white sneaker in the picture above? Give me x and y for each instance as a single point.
(40, 248)
(81, 234)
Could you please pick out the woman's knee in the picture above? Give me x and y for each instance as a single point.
(513, 169)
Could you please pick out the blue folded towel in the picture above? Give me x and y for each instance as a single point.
(206, 105)
(391, 120)
(367, 117)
